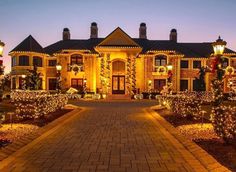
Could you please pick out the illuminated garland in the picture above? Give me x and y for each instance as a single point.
(36, 104)
(133, 73)
(128, 76)
(224, 121)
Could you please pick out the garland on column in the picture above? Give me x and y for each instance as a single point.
(102, 72)
(133, 75)
(128, 75)
(108, 71)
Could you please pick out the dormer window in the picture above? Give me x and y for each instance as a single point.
(160, 61)
(76, 59)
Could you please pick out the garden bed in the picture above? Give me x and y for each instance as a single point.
(20, 128)
(205, 137)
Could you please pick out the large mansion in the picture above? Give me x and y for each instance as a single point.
(117, 64)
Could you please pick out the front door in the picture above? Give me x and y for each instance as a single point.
(118, 84)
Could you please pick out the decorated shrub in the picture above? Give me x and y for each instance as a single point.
(36, 104)
(224, 122)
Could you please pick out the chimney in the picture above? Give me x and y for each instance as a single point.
(94, 30)
(173, 35)
(66, 34)
(143, 31)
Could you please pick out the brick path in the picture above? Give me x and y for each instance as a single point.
(106, 136)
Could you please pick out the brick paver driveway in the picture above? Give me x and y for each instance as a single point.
(106, 136)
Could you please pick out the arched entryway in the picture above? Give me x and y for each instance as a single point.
(118, 77)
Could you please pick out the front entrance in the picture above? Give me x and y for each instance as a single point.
(118, 84)
(159, 84)
(118, 77)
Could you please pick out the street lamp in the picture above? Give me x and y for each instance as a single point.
(1, 48)
(23, 82)
(219, 47)
(217, 84)
(58, 84)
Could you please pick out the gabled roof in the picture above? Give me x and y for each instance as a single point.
(118, 38)
(73, 44)
(29, 44)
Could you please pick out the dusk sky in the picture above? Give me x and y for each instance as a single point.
(195, 20)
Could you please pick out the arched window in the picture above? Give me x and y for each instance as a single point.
(160, 60)
(76, 59)
(225, 63)
(37, 61)
(23, 60)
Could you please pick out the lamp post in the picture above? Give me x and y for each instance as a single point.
(58, 84)
(217, 84)
(1, 54)
(169, 79)
(1, 70)
(219, 47)
(23, 82)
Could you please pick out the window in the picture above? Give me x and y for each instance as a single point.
(159, 84)
(184, 64)
(52, 63)
(76, 59)
(13, 61)
(183, 84)
(225, 63)
(52, 83)
(13, 83)
(37, 61)
(160, 61)
(77, 84)
(196, 64)
(23, 60)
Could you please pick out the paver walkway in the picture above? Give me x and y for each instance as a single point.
(106, 136)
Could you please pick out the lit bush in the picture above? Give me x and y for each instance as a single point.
(186, 104)
(224, 122)
(36, 104)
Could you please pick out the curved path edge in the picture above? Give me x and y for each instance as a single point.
(40, 135)
(193, 154)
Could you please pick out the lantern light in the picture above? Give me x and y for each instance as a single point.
(58, 67)
(1, 48)
(23, 76)
(169, 67)
(219, 46)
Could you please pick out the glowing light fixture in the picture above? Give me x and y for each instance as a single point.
(1, 48)
(219, 46)
(58, 67)
(169, 67)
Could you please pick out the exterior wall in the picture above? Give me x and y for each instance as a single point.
(144, 68)
(17, 71)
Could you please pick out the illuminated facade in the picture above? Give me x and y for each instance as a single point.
(117, 64)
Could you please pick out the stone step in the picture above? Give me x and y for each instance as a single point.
(118, 97)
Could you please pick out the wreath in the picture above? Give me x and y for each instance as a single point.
(161, 69)
(229, 70)
(76, 68)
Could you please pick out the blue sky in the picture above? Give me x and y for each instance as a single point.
(195, 20)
